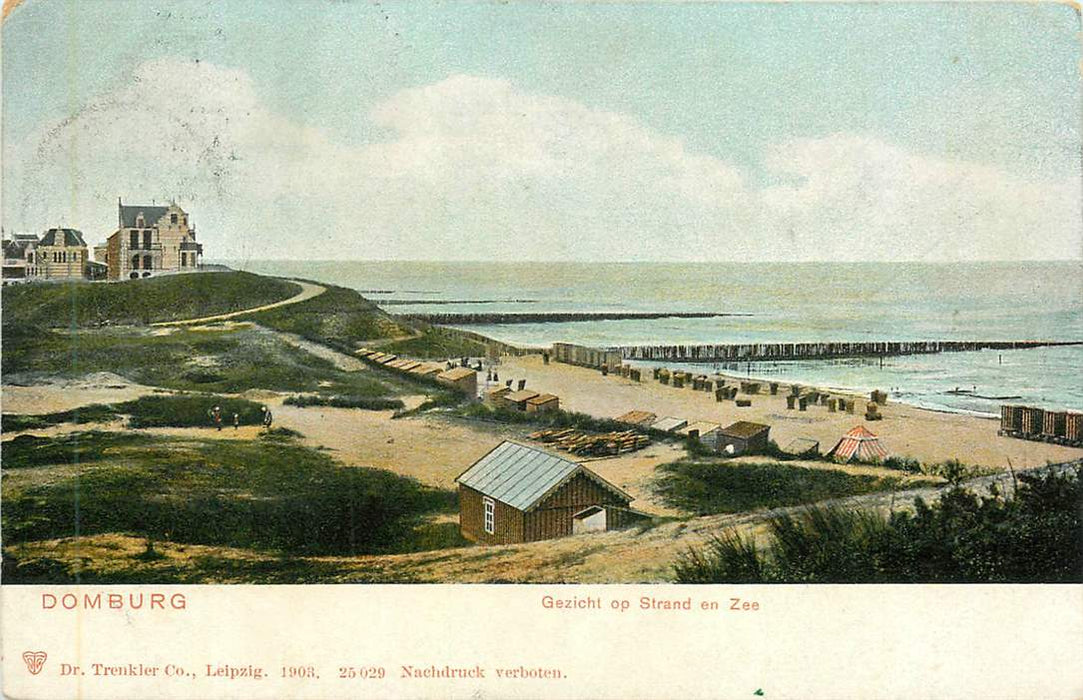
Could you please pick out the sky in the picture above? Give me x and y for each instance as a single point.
(553, 131)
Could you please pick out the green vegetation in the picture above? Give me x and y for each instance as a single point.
(436, 342)
(135, 302)
(1032, 537)
(95, 413)
(226, 360)
(706, 488)
(272, 496)
(553, 419)
(366, 402)
(155, 411)
(339, 318)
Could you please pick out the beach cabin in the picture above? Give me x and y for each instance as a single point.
(669, 424)
(643, 419)
(744, 437)
(516, 400)
(709, 434)
(461, 379)
(543, 402)
(517, 493)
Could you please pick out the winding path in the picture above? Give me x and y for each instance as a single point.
(308, 291)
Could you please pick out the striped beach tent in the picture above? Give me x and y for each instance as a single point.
(858, 444)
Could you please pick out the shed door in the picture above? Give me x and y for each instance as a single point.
(590, 520)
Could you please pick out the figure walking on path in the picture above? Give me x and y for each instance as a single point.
(267, 418)
(216, 415)
(236, 421)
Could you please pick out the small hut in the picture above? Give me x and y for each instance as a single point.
(543, 402)
(461, 379)
(517, 493)
(858, 444)
(709, 434)
(640, 418)
(802, 447)
(516, 400)
(669, 424)
(744, 436)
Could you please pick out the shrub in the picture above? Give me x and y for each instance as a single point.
(372, 403)
(962, 538)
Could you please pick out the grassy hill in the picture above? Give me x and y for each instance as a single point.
(137, 302)
(339, 318)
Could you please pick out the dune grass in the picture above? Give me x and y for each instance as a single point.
(1031, 536)
(339, 318)
(139, 302)
(436, 342)
(267, 495)
(707, 488)
(228, 360)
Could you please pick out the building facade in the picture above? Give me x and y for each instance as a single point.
(20, 258)
(61, 254)
(150, 240)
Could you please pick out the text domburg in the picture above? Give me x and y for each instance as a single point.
(113, 601)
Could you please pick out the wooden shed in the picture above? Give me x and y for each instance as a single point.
(708, 434)
(669, 424)
(543, 402)
(744, 436)
(517, 493)
(640, 418)
(461, 379)
(516, 400)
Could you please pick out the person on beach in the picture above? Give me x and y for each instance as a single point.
(266, 418)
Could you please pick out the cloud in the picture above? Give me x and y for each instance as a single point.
(473, 168)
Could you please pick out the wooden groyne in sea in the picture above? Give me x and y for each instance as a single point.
(758, 352)
(508, 318)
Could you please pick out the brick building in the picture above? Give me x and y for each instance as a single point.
(150, 240)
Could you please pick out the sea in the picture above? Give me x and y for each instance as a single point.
(774, 302)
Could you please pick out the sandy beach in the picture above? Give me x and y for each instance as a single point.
(929, 436)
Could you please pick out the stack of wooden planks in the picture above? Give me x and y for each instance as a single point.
(582, 443)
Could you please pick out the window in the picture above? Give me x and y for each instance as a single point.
(172, 218)
(184, 259)
(147, 238)
(147, 263)
(134, 243)
(490, 515)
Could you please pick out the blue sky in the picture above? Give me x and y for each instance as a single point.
(984, 86)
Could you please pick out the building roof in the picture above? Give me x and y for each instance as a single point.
(457, 373)
(523, 476)
(499, 392)
(543, 398)
(63, 237)
(151, 214)
(800, 446)
(744, 429)
(521, 395)
(704, 427)
(669, 424)
(638, 417)
(25, 237)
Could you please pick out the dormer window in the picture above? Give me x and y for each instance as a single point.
(139, 222)
(172, 218)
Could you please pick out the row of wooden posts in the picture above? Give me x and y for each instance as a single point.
(810, 351)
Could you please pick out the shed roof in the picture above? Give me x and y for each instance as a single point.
(457, 373)
(543, 398)
(638, 417)
(669, 424)
(704, 427)
(800, 446)
(521, 395)
(63, 237)
(523, 476)
(744, 429)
